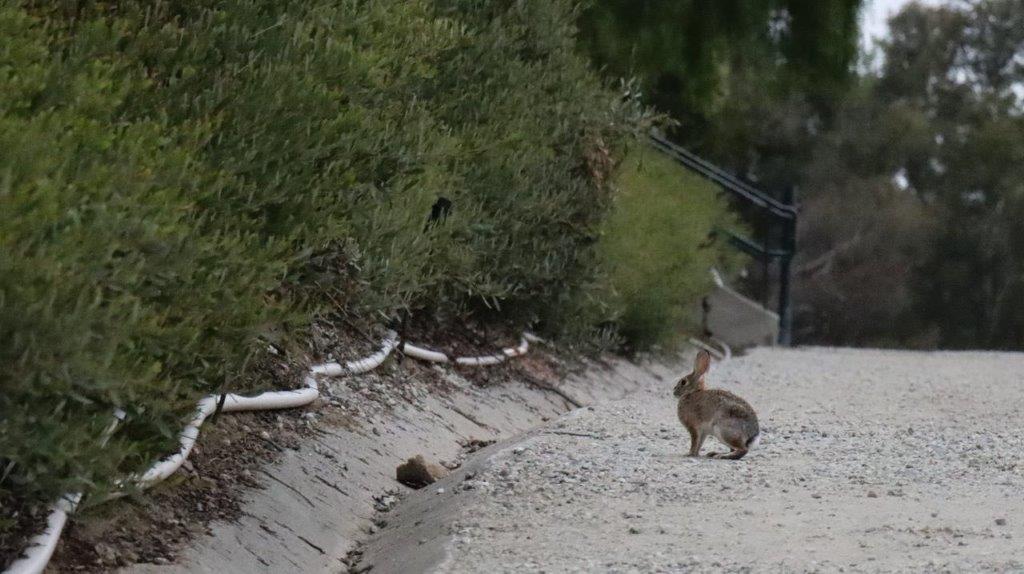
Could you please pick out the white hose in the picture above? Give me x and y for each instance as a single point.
(41, 547)
(232, 403)
(506, 353)
(530, 337)
(360, 365)
(726, 349)
(480, 361)
(524, 346)
(423, 354)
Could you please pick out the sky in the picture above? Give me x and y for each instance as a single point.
(876, 14)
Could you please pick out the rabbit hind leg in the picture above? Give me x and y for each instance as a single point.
(734, 440)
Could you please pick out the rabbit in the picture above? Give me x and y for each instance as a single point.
(715, 412)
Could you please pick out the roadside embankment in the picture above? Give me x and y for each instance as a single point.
(321, 496)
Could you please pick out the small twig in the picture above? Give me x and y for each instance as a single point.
(273, 444)
(470, 418)
(571, 434)
(331, 485)
(289, 487)
(314, 546)
(545, 386)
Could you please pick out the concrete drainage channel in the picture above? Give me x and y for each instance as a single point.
(415, 536)
(42, 546)
(322, 500)
(326, 500)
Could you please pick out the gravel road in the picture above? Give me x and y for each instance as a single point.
(870, 461)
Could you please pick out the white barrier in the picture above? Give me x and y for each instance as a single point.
(42, 546)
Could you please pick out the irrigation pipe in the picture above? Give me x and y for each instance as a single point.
(726, 349)
(41, 547)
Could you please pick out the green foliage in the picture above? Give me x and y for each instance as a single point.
(691, 56)
(656, 247)
(909, 177)
(180, 182)
(861, 236)
(957, 72)
(753, 85)
(107, 297)
(912, 233)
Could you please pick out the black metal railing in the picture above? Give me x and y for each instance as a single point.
(782, 213)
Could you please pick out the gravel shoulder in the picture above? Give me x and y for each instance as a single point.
(870, 461)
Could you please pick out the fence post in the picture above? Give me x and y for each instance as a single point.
(785, 271)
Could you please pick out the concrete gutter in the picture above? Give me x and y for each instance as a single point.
(319, 501)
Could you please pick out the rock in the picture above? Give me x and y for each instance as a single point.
(417, 472)
(106, 553)
(1000, 522)
(384, 503)
(872, 494)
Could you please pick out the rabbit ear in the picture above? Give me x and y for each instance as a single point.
(701, 364)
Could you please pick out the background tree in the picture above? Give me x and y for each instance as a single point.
(910, 175)
(911, 232)
(731, 72)
(961, 71)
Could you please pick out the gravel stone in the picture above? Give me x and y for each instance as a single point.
(931, 430)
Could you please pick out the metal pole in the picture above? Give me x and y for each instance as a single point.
(785, 271)
(766, 261)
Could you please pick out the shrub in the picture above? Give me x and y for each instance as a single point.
(182, 181)
(109, 294)
(655, 247)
